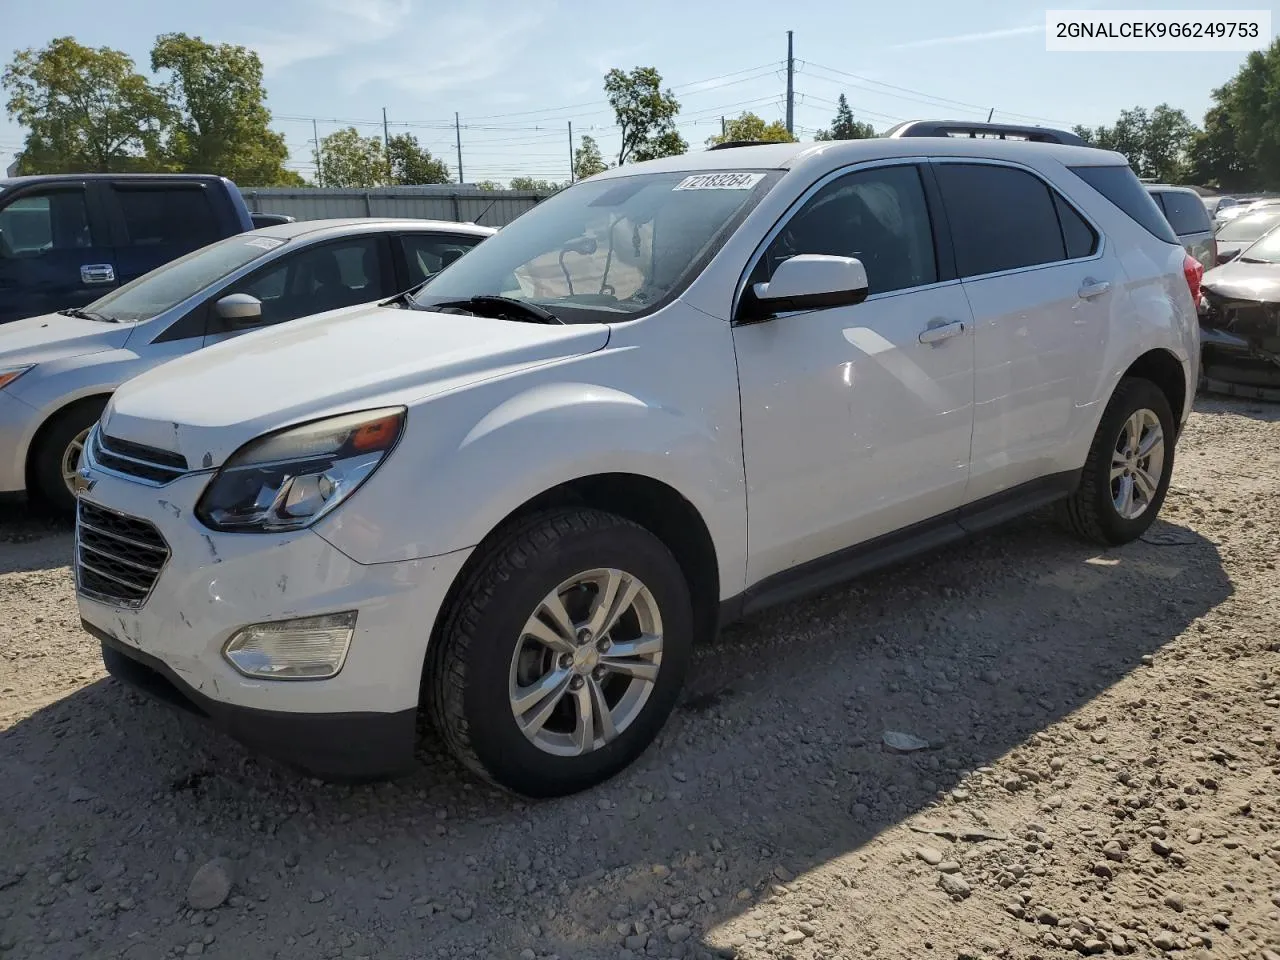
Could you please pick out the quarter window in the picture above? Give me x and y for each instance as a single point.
(1080, 238)
(879, 216)
(1001, 218)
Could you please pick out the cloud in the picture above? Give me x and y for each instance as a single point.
(324, 28)
(971, 37)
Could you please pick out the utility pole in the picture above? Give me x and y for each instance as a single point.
(991, 114)
(315, 132)
(386, 143)
(457, 133)
(724, 130)
(571, 151)
(791, 86)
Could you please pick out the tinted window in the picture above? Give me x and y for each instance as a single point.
(316, 279)
(34, 224)
(1001, 218)
(1122, 187)
(427, 254)
(156, 216)
(1080, 238)
(879, 216)
(1185, 213)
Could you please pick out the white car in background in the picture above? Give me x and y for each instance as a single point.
(57, 371)
(671, 394)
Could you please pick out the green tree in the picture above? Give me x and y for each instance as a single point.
(748, 126)
(1156, 143)
(844, 127)
(536, 186)
(1214, 158)
(488, 185)
(1240, 146)
(645, 112)
(84, 108)
(350, 160)
(412, 163)
(587, 161)
(221, 123)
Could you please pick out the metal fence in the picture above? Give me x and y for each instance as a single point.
(492, 208)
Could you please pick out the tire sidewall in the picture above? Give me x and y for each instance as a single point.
(496, 739)
(1137, 395)
(48, 488)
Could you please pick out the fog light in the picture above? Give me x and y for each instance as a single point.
(310, 648)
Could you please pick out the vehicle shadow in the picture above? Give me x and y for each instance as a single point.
(1219, 404)
(29, 541)
(772, 767)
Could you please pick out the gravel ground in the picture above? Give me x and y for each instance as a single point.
(1101, 776)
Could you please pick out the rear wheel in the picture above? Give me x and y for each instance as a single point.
(56, 458)
(1127, 475)
(564, 654)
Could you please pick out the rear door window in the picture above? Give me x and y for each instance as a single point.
(426, 254)
(180, 219)
(1001, 218)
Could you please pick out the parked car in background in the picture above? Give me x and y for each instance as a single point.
(1240, 322)
(518, 497)
(1239, 233)
(1214, 205)
(271, 219)
(67, 239)
(1186, 213)
(57, 371)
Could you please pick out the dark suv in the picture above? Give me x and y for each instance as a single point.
(67, 239)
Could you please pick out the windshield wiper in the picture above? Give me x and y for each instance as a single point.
(501, 306)
(86, 315)
(1251, 260)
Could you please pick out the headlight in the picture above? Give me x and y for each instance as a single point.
(289, 480)
(10, 374)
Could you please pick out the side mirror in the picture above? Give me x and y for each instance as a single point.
(808, 281)
(239, 310)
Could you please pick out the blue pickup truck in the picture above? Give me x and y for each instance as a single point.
(67, 239)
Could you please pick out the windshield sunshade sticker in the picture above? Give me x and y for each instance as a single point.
(719, 181)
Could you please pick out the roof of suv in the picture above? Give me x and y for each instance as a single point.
(834, 153)
(347, 225)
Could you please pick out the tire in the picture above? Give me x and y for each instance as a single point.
(484, 656)
(1092, 511)
(45, 484)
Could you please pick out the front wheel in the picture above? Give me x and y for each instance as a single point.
(56, 459)
(1126, 477)
(564, 653)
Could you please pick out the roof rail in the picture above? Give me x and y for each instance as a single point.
(965, 128)
(729, 144)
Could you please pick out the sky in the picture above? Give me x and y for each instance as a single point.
(517, 73)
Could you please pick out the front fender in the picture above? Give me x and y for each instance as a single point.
(456, 476)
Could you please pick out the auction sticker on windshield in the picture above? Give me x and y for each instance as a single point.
(264, 243)
(719, 181)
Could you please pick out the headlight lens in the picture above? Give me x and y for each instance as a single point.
(289, 480)
(10, 374)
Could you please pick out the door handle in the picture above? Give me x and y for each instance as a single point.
(97, 273)
(938, 331)
(1093, 288)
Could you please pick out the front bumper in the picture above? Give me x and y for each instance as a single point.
(213, 584)
(17, 423)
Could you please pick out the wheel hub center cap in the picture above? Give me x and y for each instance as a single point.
(585, 659)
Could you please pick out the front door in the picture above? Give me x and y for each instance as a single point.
(856, 421)
(53, 253)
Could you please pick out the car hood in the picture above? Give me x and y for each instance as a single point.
(57, 337)
(207, 404)
(1238, 280)
(1244, 302)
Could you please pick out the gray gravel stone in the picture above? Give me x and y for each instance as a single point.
(211, 885)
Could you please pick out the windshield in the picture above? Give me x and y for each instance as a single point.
(167, 286)
(605, 249)
(1266, 250)
(1250, 226)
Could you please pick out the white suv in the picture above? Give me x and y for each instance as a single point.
(670, 395)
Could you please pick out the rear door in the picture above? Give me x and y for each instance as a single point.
(1042, 288)
(155, 221)
(314, 279)
(55, 249)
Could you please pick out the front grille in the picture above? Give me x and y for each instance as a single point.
(150, 464)
(118, 558)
